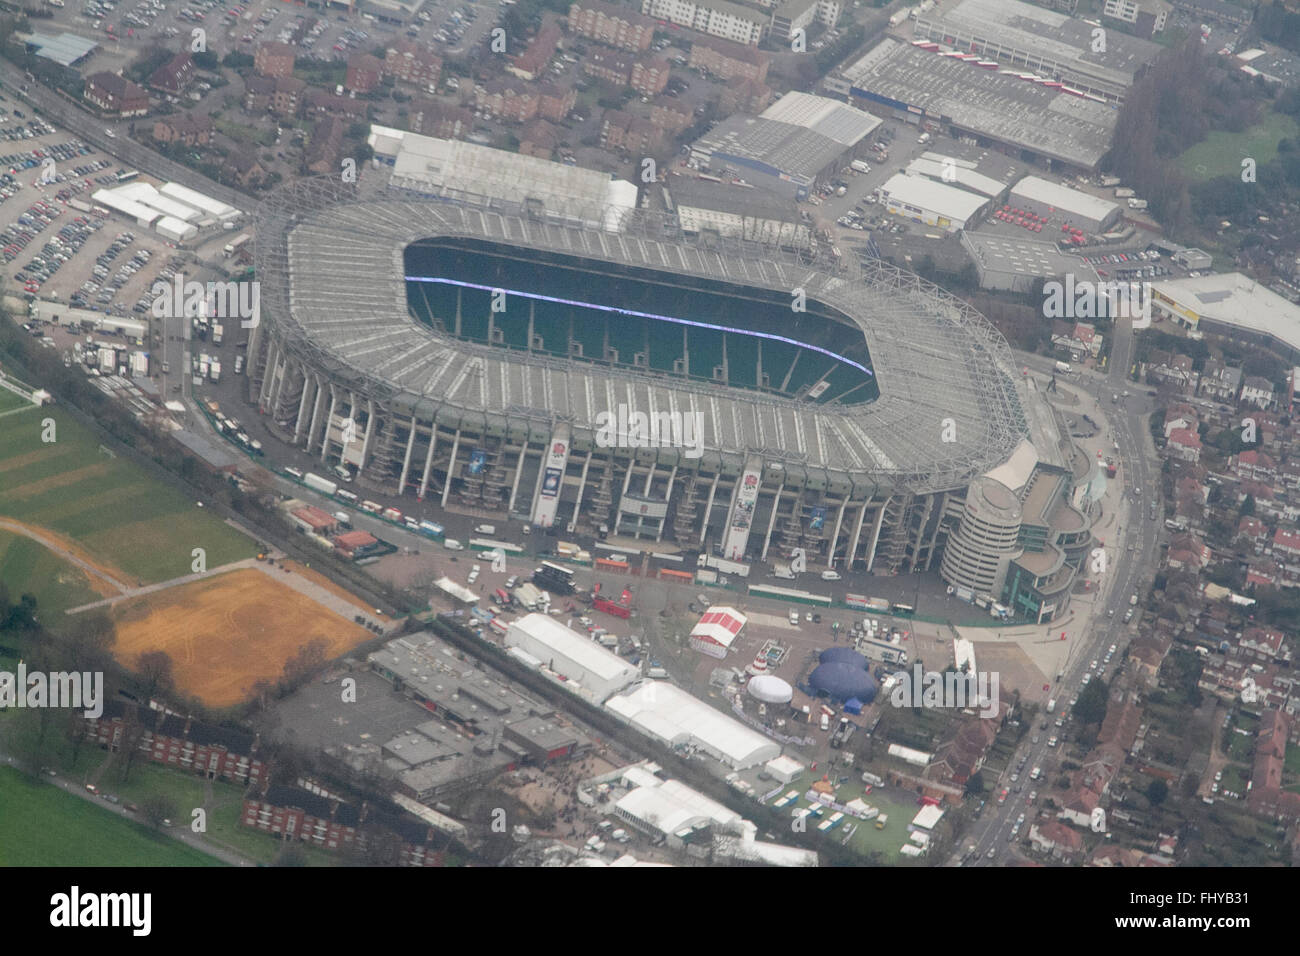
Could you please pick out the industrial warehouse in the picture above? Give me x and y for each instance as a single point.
(795, 144)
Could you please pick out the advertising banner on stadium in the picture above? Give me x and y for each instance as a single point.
(742, 513)
(477, 459)
(553, 465)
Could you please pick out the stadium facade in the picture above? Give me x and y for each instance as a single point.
(859, 452)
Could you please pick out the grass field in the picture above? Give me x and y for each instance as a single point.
(867, 839)
(126, 519)
(28, 568)
(10, 401)
(43, 826)
(226, 632)
(1221, 153)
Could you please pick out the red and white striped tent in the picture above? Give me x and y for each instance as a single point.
(717, 630)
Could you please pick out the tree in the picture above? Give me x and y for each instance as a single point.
(1091, 708)
(975, 785)
(156, 808)
(1157, 791)
(1248, 506)
(300, 668)
(156, 673)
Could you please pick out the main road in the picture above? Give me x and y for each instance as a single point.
(1131, 552)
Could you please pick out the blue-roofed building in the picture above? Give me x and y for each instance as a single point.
(65, 49)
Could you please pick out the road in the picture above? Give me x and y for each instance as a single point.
(1132, 551)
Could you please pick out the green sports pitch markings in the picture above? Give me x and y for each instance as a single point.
(43, 826)
(1221, 153)
(75, 487)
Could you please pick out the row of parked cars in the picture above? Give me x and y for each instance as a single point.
(145, 13)
(59, 249)
(110, 287)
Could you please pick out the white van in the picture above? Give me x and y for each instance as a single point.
(826, 721)
(487, 529)
(830, 575)
(451, 544)
(794, 617)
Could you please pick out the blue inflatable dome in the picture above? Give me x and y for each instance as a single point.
(843, 655)
(842, 681)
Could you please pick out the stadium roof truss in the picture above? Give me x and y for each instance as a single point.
(329, 258)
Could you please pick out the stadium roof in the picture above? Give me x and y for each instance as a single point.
(1036, 34)
(675, 717)
(1064, 199)
(455, 169)
(64, 49)
(1231, 298)
(940, 198)
(329, 259)
(993, 103)
(954, 173)
(798, 136)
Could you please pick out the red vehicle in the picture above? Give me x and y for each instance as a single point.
(612, 607)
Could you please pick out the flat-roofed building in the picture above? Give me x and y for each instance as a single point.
(931, 203)
(1061, 204)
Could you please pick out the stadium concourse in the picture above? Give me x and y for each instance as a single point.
(848, 427)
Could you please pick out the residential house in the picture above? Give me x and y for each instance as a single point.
(187, 130)
(670, 115)
(1254, 465)
(626, 132)
(280, 96)
(530, 64)
(174, 77)
(1185, 445)
(1263, 643)
(433, 118)
(116, 95)
(180, 742)
(555, 101)
(649, 75)
(1056, 839)
(727, 60)
(365, 72)
(1252, 534)
(274, 59)
(1258, 392)
(1220, 382)
(324, 103)
(409, 62)
(539, 138)
(325, 149)
(613, 24)
(508, 98)
(246, 170)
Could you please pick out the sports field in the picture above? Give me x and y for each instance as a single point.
(28, 568)
(1221, 153)
(129, 522)
(226, 632)
(43, 826)
(10, 401)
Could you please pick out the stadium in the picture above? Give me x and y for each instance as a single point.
(463, 354)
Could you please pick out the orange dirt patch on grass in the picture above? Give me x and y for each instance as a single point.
(64, 546)
(227, 632)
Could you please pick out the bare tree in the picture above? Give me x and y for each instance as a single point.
(156, 672)
(156, 808)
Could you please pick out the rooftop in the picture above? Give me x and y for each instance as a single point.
(1234, 299)
(995, 103)
(1062, 198)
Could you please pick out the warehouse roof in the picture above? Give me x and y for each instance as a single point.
(675, 717)
(1064, 199)
(201, 201)
(947, 201)
(672, 807)
(64, 49)
(997, 104)
(830, 118)
(1046, 34)
(1232, 298)
(1002, 252)
(725, 197)
(955, 173)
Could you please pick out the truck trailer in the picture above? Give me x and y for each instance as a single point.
(317, 483)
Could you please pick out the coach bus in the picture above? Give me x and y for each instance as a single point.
(553, 577)
(127, 175)
(787, 594)
(904, 609)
